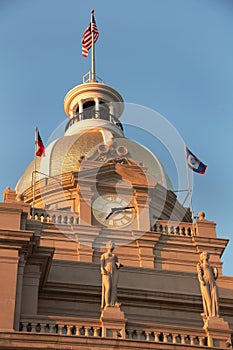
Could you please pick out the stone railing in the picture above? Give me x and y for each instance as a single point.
(167, 336)
(92, 328)
(71, 218)
(54, 216)
(64, 326)
(171, 228)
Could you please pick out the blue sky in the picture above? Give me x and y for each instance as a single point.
(173, 56)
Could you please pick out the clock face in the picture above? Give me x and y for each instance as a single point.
(113, 211)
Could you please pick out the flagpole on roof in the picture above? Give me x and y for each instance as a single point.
(93, 48)
(190, 192)
(34, 174)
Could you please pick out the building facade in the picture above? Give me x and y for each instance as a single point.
(95, 186)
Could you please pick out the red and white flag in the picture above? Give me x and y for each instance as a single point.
(40, 148)
(87, 36)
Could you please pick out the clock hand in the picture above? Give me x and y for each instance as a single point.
(114, 210)
(122, 208)
(108, 216)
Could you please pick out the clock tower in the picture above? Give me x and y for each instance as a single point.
(94, 186)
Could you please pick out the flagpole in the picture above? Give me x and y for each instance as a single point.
(190, 192)
(93, 49)
(34, 175)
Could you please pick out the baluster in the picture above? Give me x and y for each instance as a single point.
(192, 340)
(174, 338)
(182, 339)
(96, 331)
(86, 332)
(68, 329)
(165, 337)
(60, 327)
(156, 335)
(42, 327)
(78, 330)
(147, 333)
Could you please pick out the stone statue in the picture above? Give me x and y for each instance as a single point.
(207, 276)
(109, 272)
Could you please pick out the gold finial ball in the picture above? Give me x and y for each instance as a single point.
(201, 215)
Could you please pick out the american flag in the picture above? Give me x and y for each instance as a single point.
(87, 36)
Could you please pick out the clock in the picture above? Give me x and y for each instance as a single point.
(113, 211)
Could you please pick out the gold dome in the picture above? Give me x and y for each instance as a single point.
(63, 156)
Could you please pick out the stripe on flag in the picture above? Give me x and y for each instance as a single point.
(87, 37)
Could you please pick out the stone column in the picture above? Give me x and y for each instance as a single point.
(18, 300)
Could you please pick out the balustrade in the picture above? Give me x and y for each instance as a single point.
(55, 216)
(92, 328)
(183, 229)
